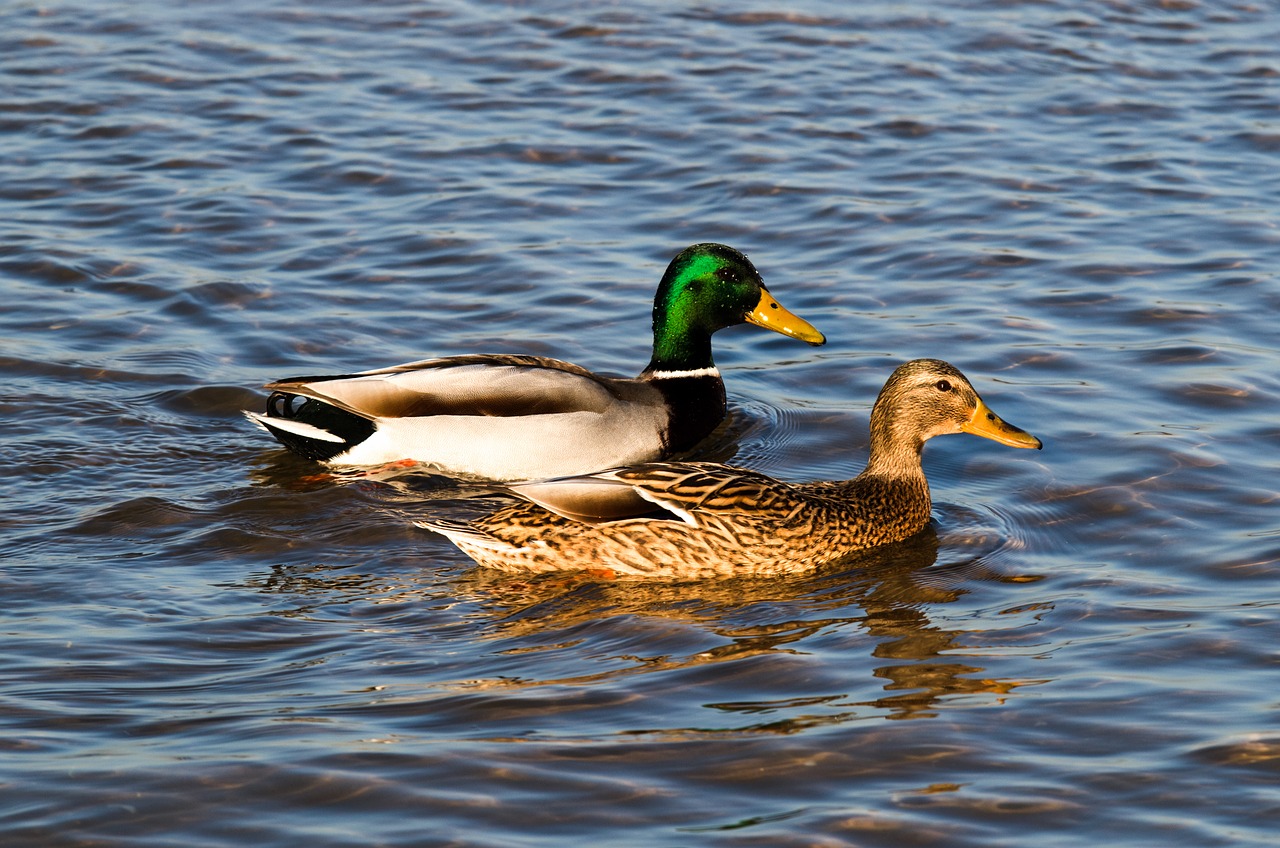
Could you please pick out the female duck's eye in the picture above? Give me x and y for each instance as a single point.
(943, 386)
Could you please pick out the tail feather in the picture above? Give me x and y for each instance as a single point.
(312, 428)
(464, 535)
(288, 425)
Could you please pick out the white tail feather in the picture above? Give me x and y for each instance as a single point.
(464, 535)
(298, 428)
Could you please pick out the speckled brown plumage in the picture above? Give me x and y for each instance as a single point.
(702, 519)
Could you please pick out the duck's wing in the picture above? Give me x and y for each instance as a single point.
(662, 491)
(502, 386)
(592, 499)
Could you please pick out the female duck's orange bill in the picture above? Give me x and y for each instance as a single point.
(988, 425)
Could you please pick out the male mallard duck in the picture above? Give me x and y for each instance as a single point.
(507, 417)
(700, 519)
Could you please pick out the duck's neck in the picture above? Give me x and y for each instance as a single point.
(895, 448)
(691, 387)
(892, 491)
(895, 461)
(680, 352)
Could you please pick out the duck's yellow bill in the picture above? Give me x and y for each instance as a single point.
(774, 316)
(988, 425)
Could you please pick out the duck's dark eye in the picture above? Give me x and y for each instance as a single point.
(943, 385)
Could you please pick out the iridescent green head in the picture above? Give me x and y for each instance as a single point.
(706, 288)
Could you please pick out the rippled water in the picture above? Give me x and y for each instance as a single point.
(210, 642)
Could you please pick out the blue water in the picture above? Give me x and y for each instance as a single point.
(208, 641)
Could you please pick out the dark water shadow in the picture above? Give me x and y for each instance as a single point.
(886, 595)
(882, 601)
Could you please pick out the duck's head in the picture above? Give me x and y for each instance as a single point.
(928, 397)
(706, 288)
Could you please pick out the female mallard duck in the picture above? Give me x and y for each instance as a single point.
(692, 519)
(507, 417)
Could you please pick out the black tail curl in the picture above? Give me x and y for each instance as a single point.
(351, 428)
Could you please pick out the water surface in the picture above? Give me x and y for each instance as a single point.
(208, 641)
